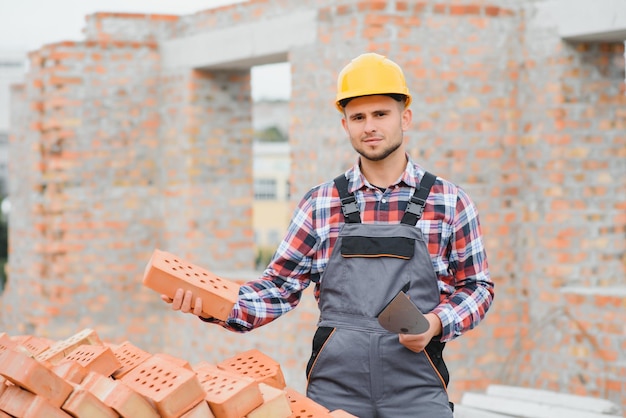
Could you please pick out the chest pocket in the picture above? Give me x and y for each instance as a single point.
(362, 246)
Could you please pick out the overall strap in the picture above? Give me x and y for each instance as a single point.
(415, 207)
(348, 201)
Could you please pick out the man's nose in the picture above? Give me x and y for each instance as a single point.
(370, 126)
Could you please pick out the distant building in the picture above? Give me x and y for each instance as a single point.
(12, 69)
(271, 210)
(271, 113)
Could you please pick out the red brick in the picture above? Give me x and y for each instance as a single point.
(256, 365)
(467, 9)
(301, 406)
(275, 403)
(20, 339)
(36, 345)
(32, 375)
(6, 343)
(56, 80)
(15, 400)
(70, 371)
(3, 384)
(95, 358)
(118, 396)
(173, 360)
(229, 395)
(40, 407)
(98, 384)
(492, 10)
(57, 352)
(173, 390)
(21, 403)
(202, 410)
(82, 403)
(128, 403)
(166, 273)
(130, 357)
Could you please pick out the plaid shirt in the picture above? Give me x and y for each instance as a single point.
(450, 226)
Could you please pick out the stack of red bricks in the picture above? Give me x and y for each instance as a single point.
(82, 376)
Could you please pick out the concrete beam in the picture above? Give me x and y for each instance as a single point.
(587, 20)
(242, 46)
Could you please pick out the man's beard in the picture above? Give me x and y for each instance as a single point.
(378, 157)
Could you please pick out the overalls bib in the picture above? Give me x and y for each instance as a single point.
(356, 365)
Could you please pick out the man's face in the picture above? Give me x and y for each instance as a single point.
(375, 125)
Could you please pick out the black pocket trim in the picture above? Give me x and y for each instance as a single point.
(319, 341)
(434, 352)
(358, 246)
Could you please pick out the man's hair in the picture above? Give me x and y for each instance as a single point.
(395, 96)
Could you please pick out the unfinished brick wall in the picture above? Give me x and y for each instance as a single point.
(90, 146)
(116, 156)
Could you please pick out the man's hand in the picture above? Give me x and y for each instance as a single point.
(182, 302)
(417, 342)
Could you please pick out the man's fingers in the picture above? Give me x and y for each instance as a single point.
(186, 305)
(197, 308)
(182, 301)
(178, 299)
(414, 343)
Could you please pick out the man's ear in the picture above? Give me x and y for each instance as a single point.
(344, 124)
(407, 118)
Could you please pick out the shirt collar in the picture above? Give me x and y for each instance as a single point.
(409, 177)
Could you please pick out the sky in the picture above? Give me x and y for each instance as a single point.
(27, 25)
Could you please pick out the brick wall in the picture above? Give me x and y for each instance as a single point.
(115, 156)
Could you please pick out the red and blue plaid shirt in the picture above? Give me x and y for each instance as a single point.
(449, 224)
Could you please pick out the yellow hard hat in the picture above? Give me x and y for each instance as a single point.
(370, 74)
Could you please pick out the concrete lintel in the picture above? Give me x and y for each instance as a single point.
(241, 46)
(619, 291)
(588, 20)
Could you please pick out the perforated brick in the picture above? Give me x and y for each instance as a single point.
(21, 403)
(95, 358)
(70, 371)
(98, 384)
(173, 390)
(15, 400)
(82, 403)
(36, 345)
(229, 395)
(303, 407)
(57, 352)
(6, 343)
(275, 403)
(40, 407)
(256, 365)
(202, 410)
(166, 273)
(119, 396)
(3, 384)
(129, 356)
(20, 339)
(28, 373)
(179, 362)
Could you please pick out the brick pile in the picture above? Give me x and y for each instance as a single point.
(82, 376)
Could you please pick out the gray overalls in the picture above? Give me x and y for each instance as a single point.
(356, 365)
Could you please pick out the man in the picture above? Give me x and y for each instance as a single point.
(362, 249)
